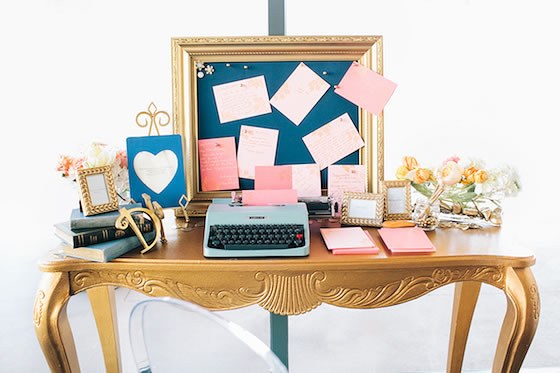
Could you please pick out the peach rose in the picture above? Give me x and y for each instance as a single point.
(451, 173)
(469, 175)
(480, 176)
(410, 163)
(422, 175)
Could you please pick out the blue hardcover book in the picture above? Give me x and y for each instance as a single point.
(86, 237)
(106, 251)
(107, 219)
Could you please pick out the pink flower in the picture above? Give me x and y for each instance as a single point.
(453, 158)
(122, 159)
(65, 164)
(78, 163)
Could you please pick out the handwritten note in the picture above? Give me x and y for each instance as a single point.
(242, 99)
(365, 88)
(333, 141)
(345, 178)
(306, 179)
(218, 164)
(299, 93)
(257, 147)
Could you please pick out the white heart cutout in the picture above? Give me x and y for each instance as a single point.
(156, 171)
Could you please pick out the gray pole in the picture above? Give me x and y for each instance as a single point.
(278, 323)
(276, 17)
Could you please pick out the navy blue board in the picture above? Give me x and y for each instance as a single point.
(173, 190)
(291, 148)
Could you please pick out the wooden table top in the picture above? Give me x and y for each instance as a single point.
(488, 246)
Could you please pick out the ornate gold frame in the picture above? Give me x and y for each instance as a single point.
(375, 221)
(367, 50)
(387, 184)
(85, 196)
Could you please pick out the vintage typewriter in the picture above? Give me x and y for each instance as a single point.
(233, 231)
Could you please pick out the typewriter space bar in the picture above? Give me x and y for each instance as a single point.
(256, 247)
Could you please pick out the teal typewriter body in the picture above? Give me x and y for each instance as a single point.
(236, 231)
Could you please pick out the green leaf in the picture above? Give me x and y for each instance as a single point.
(463, 197)
(423, 189)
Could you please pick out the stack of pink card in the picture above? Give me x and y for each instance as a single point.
(349, 240)
(406, 240)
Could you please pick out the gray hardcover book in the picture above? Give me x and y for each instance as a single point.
(107, 219)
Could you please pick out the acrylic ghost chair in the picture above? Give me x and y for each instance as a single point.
(158, 331)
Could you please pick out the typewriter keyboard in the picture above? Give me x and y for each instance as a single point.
(253, 236)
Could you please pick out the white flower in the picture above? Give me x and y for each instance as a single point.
(502, 182)
(99, 155)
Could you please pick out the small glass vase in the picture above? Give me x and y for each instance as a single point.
(425, 215)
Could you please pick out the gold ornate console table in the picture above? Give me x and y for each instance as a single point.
(297, 285)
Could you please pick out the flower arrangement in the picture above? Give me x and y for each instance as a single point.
(463, 188)
(98, 155)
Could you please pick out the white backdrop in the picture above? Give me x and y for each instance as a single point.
(475, 79)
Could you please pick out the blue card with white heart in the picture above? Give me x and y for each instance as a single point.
(155, 167)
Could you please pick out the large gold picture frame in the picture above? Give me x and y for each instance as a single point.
(186, 52)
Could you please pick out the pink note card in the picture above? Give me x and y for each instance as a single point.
(345, 178)
(406, 240)
(333, 141)
(241, 99)
(365, 88)
(266, 197)
(365, 250)
(304, 178)
(299, 93)
(348, 238)
(218, 164)
(273, 177)
(257, 147)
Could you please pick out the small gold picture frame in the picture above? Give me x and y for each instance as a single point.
(97, 190)
(398, 205)
(362, 209)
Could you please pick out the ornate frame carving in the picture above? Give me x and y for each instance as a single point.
(367, 50)
(388, 184)
(87, 197)
(376, 220)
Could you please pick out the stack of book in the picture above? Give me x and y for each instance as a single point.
(97, 239)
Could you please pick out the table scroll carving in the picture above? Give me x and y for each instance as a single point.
(38, 308)
(290, 294)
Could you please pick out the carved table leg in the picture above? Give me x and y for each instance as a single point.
(520, 322)
(464, 303)
(51, 323)
(102, 299)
